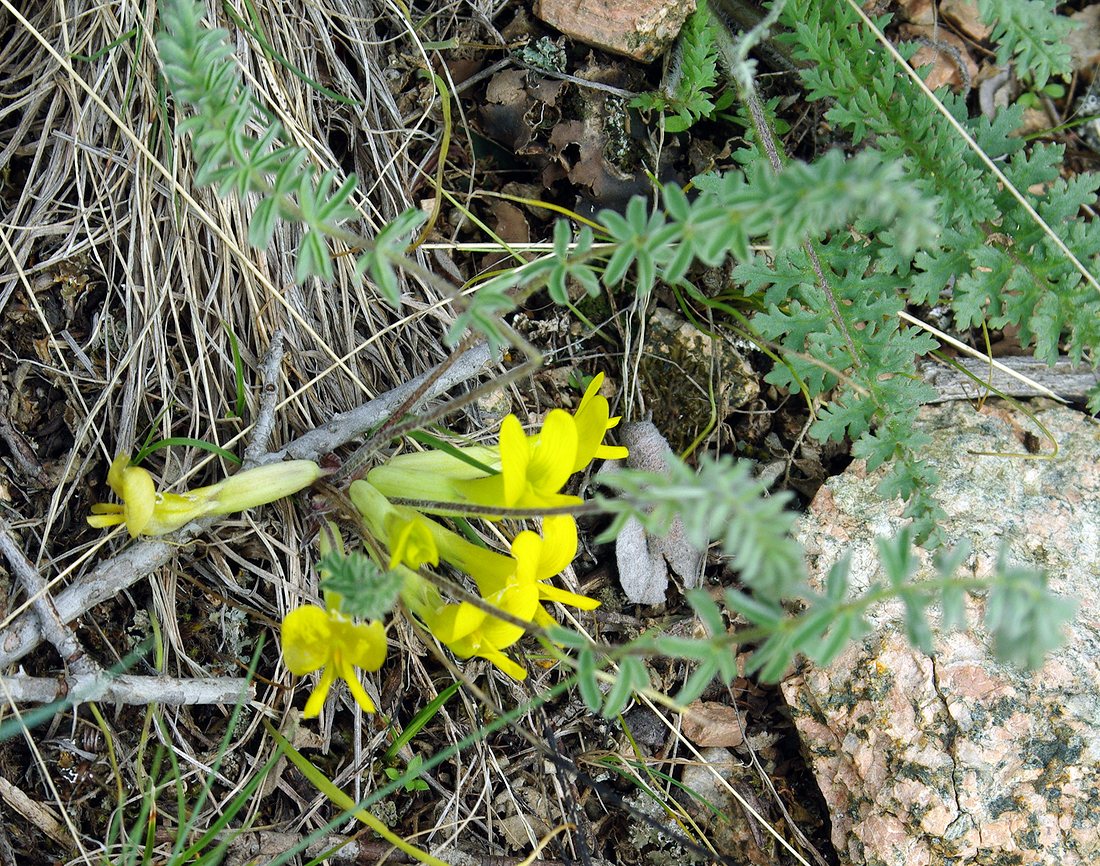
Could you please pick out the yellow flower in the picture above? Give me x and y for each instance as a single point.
(533, 469)
(317, 639)
(593, 417)
(410, 541)
(469, 631)
(514, 584)
(406, 532)
(145, 511)
(530, 476)
(539, 558)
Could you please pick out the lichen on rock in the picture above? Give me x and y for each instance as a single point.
(954, 758)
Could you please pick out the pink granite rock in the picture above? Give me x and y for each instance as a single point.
(954, 758)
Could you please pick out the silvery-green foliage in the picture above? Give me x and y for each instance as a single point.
(366, 591)
(233, 157)
(721, 501)
(688, 91)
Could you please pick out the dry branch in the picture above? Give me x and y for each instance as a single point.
(1070, 381)
(127, 689)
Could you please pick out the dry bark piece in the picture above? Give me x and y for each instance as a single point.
(1084, 41)
(589, 167)
(965, 16)
(955, 758)
(641, 29)
(711, 724)
(510, 223)
(641, 557)
(947, 53)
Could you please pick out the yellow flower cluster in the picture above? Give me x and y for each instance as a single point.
(525, 472)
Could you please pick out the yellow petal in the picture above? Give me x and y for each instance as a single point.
(139, 495)
(591, 419)
(498, 633)
(349, 676)
(491, 491)
(515, 455)
(307, 639)
(317, 697)
(114, 474)
(611, 452)
(521, 601)
(554, 452)
(362, 644)
(515, 671)
(455, 622)
(106, 514)
(527, 549)
(559, 545)
(564, 596)
(543, 619)
(411, 541)
(591, 391)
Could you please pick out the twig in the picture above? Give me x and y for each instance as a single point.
(355, 423)
(269, 397)
(49, 623)
(39, 814)
(382, 433)
(140, 559)
(89, 682)
(128, 689)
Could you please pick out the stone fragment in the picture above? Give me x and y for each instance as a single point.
(643, 29)
(643, 574)
(954, 758)
(734, 833)
(708, 723)
(913, 11)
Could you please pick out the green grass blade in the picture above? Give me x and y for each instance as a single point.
(419, 721)
(238, 371)
(425, 438)
(323, 784)
(185, 442)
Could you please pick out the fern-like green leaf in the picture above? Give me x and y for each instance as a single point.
(1031, 34)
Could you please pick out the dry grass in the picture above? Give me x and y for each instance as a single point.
(120, 284)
